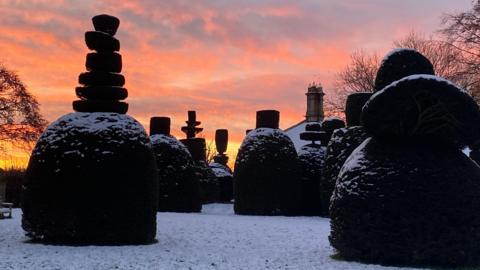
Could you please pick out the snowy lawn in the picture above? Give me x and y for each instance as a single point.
(214, 239)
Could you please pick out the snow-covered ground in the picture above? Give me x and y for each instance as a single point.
(214, 239)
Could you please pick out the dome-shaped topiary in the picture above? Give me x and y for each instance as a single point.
(178, 186)
(342, 144)
(266, 175)
(404, 203)
(91, 179)
(225, 181)
(423, 107)
(400, 63)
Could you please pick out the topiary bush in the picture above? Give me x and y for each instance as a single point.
(354, 106)
(178, 186)
(329, 125)
(423, 107)
(225, 181)
(312, 159)
(342, 144)
(407, 204)
(91, 178)
(400, 63)
(266, 174)
(406, 195)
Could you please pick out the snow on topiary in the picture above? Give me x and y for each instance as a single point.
(266, 174)
(178, 186)
(407, 204)
(91, 179)
(400, 63)
(423, 107)
(408, 195)
(225, 180)
(312, 159)
(329, 125)
(341, 145)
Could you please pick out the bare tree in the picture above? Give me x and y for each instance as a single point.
(462, 32)
(20, 120)
(357, 76)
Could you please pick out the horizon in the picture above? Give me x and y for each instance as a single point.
(224, 60)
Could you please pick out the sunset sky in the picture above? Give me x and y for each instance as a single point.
(225, 59)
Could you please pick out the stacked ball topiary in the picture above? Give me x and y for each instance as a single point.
(178, 186)
(209, 186)
(92, 177)
(102, 83)
(341, 145)
(266, 175)
(408, 195)
(220, 168)
(400, 63)
(312, 159)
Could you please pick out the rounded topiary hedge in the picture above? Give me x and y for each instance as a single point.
(342, 144)
(400, 63)
(91, 179)
(266, 175)
(179, 189)
(225, 181)
(312, 159)
(423, 107)
(404, 203)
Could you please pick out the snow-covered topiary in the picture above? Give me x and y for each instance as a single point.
(400, 63)
(341, 145)
(407, 204)
(91, 178)
(312, 159)
(329, 125)
(423, 107)
(178, 186)
(225, 181)
(266, 175)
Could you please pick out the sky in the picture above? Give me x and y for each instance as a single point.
(224, 59)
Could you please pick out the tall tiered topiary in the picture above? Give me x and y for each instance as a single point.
(408, 195)
(220, 168)
(92, 177)
(267, 176)
(178, 186)
(209, 186)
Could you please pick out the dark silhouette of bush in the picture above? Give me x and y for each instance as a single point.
(312, 159)
(400, 63)
(423, 107)
(409, 204)
(329, 125)
(225, 180)
(178, 186)
(354, 106)
(91, 179)
(13, 179)
(407, 196)
(266, 175)
(92, 176)
(342, 144)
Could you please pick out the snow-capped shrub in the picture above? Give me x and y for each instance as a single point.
(209, 186)
(354, 106)
(407, 204)
(328, 126)
(400, 63)
(178, 186)
(91, 179)
(312, 159)
(423, 107)
(266, 175)
(342, 144)
(225, 180)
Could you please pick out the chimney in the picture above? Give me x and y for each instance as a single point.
(314, 103)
